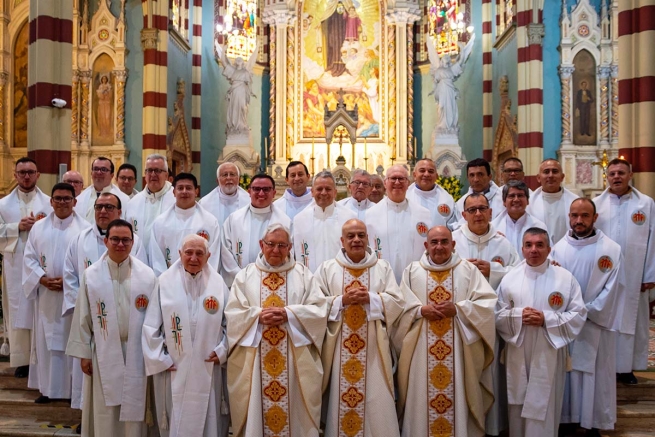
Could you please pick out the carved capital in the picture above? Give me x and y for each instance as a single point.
(76, 76)
(614, 71)
(85, 76)
(278, 17)
(403, 16)
(121, 75)
(3, 79)
(566, 72)
(536, 33)
(604, 72)
(149, 38)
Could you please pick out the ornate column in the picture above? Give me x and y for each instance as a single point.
(411, 153)
(603, 75)
(270, 153)
(280, 21)
(75, 110)
(3, 83)
(85, 113)
(614, 126)
(121, 78)
(565, 75)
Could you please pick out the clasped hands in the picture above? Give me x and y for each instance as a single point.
(54, 284)
(356, 296)
(533, 317)
(438, 311)
(273, 316)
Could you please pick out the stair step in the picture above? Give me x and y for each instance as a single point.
(20, 404)
(636, 417)
(643, 391)
(33, 428)
(8, 381)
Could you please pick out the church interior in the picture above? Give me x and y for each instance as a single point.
(256, 82)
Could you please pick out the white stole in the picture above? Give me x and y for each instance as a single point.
(191, 383)
(123, 381)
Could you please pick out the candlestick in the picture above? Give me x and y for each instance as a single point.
(365, 154)
(328, 156)
(312, 147)
(266, 150)
(353, 155)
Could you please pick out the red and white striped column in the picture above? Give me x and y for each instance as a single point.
(637, 90)
(487, 81)
(529, 33)
(196, 86)
(49, 77)
(154, 42)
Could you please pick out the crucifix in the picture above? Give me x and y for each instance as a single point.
(603, 165)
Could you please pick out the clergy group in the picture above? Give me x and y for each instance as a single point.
(395, 311)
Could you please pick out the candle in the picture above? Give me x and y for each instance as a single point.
(266, 149)
(312, 147)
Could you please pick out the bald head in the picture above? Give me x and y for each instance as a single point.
(75, 179)
(397, 183)
(439, 244)
(354, 239)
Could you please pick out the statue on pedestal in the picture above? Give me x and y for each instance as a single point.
(239, 75)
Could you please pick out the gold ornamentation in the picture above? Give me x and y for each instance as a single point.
(351, 423)
(275, 391)
(353, 285)
(440, 276)
(273, 301)
(354, 316)
(352, 397)
(353, 370)
(356, 273)
(275, 419)
(274, 335)
(440, 350)
(354, 343)
(440, 327)
(441, 428)
(441, 403)
(440, 294)
(440, 377)
(275, 363)
(273, 281)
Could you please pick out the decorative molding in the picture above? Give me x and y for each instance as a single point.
(536, 33)
(149, 38)
(179, 40)
(505, 38)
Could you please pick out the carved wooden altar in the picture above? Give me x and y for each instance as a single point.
(506, 144)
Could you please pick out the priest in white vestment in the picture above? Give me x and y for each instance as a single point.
(514, 220)
(450, 303)
(397, 226)
(297, 197)
(427, 193)
(75, 179)
(378, 190)
(19, 211)
(184, 218)
(551, 202)
(228, 196)
(126, 177)
(359, 189)
(102, 173)
(115, 293)
(627, 216)
(245, 227)
(596, 263)
(478, 174)
(540, 312)
(364, 302)
(185, 345)
(512, 170)
(156, 198)
(83, 251)
(276, 321)
(43, 271)
(316, 229)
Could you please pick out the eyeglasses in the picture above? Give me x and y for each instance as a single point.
(265, 190)
(66, 199)
(516, 196)
(101, 170)
(398, 179)
(228, 175)
(156, 171)
(279, 246)
(23, 173)
(197, 253)
(109, 208)
(74, 182)
(115, 240)
(360, 183)
(126, 178)
(475, 209)
(512, 170)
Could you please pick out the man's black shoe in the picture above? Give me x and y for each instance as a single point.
(42, 400)
(22, 371)
(593, 432)
(628, 378)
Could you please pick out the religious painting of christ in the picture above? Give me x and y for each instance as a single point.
(341, 46)
(584, 99)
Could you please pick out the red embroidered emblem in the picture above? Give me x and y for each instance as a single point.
(605, 264)
(639, 217)
(210, 304)
(444, 210)
(422, 229)
(556, 300)
(204, 234)
(40, 216)
(141, 302)
(498, 259)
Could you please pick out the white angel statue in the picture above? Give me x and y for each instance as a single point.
(238, 96)
(445, 72)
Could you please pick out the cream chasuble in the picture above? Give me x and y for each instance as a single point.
(397, 231)
(87, 199)
(170, 228)
(273, 371)
(221, 205)
(444, 373)
(438, 201)
(552, 209)
(291, 205)
(50, 369)
(19, 313)
(145, 207)
(183, 327)
(590, 393)
(316, 233)
(630, 221)
(535, 356)
(106, 328)
(359, 208)
(357, 356)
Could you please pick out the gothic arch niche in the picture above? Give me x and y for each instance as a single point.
(19, 98)
(103, 88)
(584, 94)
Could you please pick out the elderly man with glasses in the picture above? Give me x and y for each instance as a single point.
(43, 272)
(19, 211)
(276, 321)
(359, 189)
(102, 172)
(75, 179)
(397, 226)
(228, 196)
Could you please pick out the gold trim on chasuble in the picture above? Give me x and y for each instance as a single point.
(441, 360)
(352, 378)
(274, 360)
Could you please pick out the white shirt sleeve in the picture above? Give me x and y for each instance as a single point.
(253, 336)
(375, 308)
(335, 311)
(297, 333)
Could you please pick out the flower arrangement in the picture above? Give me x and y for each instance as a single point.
(244, 181)
(452, 184)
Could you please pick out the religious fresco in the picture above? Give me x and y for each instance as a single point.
(341, 50)
(240, 28)
(20, 87)
(442, 24)
(103, 101)
(584, 99)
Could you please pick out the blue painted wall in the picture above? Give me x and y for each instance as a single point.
(134, 86)
(552, 85)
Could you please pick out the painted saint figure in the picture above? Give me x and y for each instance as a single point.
(583, 102)
(104, 94)
(353, 25)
